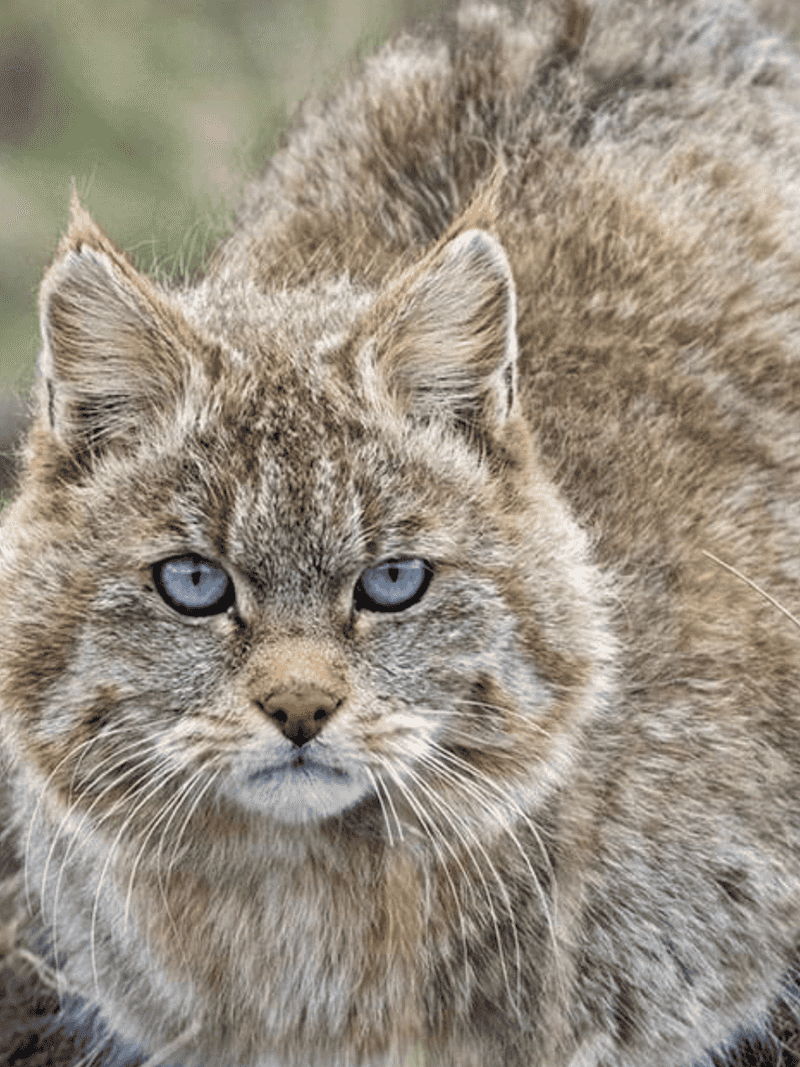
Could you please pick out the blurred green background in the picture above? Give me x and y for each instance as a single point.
(157, 109)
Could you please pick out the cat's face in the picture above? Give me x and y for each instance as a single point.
(281, 578)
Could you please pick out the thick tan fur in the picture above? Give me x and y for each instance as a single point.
(521, 303)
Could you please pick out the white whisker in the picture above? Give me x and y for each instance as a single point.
(85, 816)
(145, 799)
(753, 585)
(504, 709)
(462, 833)
(376, 785)
(31, 823)
(164, 884)
(171, 805)
(212, 778)
(85, 745)
(433, 833)
(486, 787)
(115, 760)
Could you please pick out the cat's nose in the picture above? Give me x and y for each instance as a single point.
(301, 713)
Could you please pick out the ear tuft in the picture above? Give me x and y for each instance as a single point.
(82, 227)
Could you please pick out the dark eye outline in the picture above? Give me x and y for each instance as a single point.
(364, 602)
(218, 607)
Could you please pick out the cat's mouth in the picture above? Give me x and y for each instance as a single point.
(307, 764)
(301, 788)
(298, 785)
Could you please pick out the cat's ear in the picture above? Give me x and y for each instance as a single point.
(451, 347)
(114, 351)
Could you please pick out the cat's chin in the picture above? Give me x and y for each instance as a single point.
(303, 790)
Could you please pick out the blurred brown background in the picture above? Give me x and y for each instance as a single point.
(157, 109)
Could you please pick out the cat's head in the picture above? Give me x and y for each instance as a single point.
(292, 551)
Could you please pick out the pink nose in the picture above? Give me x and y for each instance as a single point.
(300, 713)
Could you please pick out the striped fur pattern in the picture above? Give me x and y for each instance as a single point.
(512, 318)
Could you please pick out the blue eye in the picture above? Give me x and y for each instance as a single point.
(193, 585)
(393, 585)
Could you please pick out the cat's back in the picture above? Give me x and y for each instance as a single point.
(566, 94)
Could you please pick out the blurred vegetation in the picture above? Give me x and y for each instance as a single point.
(157, 109)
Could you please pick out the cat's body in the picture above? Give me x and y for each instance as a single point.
(524, 309)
